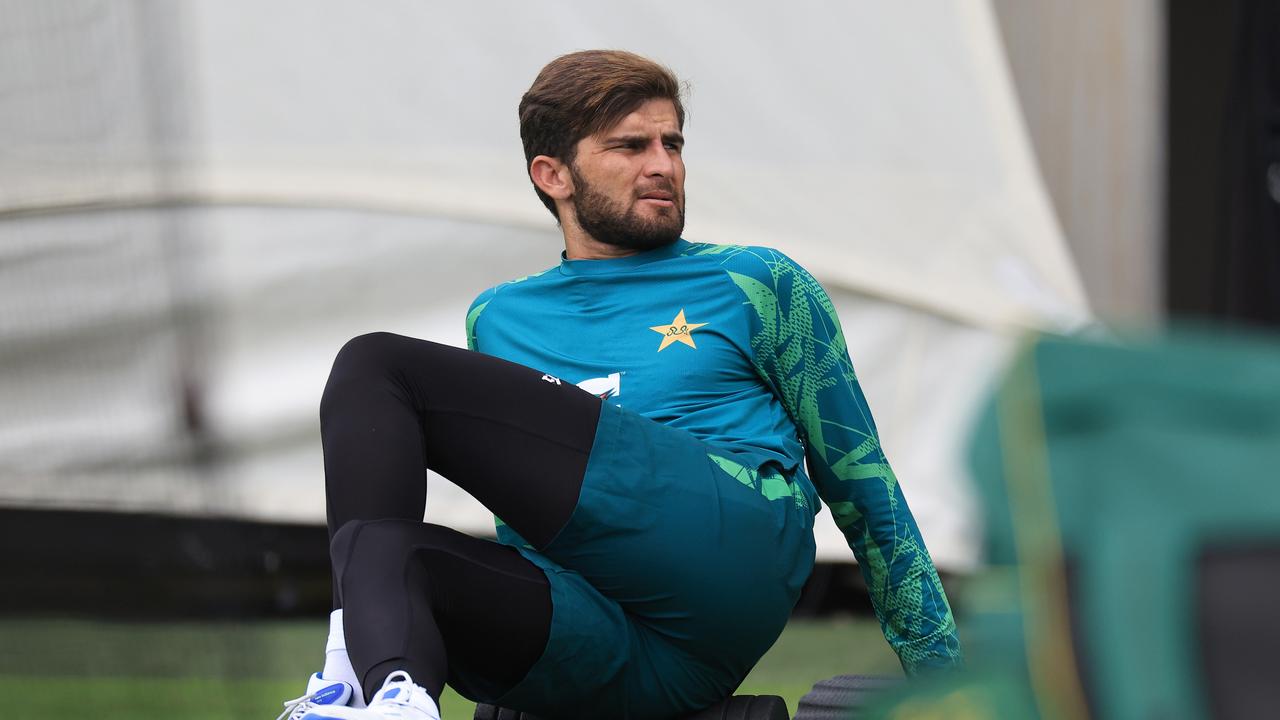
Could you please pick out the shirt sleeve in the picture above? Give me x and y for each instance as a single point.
(800, 352)
(473, 316)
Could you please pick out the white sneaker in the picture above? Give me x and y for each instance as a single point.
(319, 692)
(399, 698)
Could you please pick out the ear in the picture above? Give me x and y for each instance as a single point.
(552, 177)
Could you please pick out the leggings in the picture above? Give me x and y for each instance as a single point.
(421, 597)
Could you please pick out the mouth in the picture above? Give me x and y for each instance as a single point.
(661, 198)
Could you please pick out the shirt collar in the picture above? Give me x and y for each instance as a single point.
(622, 264)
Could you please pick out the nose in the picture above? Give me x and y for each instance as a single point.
(658, 160)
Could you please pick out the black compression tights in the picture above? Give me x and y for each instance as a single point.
(421, 597)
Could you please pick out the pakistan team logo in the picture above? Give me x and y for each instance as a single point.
(678, 330)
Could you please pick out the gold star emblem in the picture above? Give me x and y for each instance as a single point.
(678, 330)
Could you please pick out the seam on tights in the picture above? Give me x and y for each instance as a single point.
(484, 565)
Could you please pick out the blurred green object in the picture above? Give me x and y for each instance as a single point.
(1132, 506)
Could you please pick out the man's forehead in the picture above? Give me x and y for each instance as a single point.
(657, 115)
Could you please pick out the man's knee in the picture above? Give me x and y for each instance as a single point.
(367, 354)
(360, 541)
(363, 360)
(364, 537)
(362, 549)
(378, 552)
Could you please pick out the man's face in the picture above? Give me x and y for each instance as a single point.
(629, 180)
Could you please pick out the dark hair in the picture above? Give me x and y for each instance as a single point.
(580, 94)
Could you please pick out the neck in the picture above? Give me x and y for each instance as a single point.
(579, 245)
(593, 250)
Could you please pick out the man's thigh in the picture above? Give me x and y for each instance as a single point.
(515, 439)
(662, 529)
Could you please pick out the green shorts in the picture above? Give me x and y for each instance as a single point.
(676, 572)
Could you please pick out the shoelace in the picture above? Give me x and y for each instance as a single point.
(294, 709)
(399, 676)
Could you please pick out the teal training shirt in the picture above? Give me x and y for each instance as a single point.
(740, 347)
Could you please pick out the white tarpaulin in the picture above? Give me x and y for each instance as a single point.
(281, 176)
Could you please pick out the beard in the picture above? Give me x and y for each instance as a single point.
(601, 218)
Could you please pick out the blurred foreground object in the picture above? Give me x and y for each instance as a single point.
(1133, 536)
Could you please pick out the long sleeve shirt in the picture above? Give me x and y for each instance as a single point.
(741, 347)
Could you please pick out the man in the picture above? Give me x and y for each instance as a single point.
(656, 528)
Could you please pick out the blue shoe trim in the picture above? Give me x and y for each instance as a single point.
(329, 695)
(391, 693)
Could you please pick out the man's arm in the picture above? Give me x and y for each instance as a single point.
(800, 351)
(473, 316)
